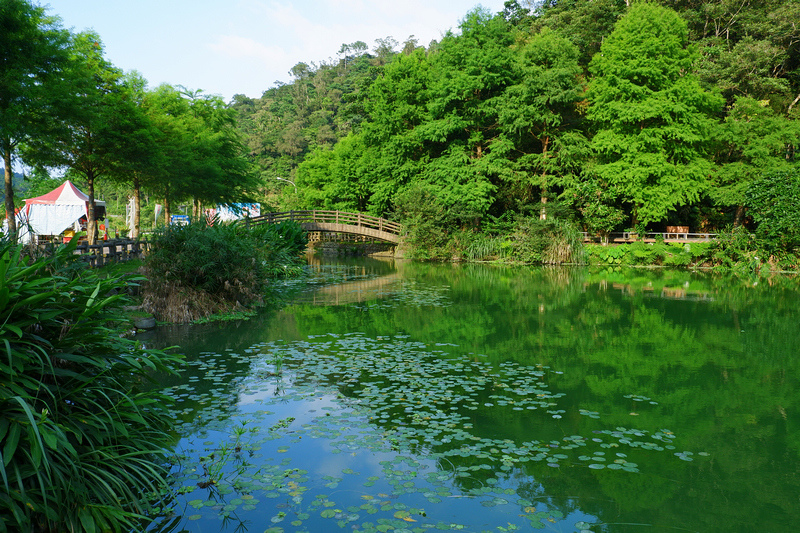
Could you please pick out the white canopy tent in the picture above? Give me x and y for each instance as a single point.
(54, 212)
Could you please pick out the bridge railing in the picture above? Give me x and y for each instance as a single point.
(330, 217)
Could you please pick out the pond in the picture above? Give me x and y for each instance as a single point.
(405, 397)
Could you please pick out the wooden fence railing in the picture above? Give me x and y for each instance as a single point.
(331, 217)
(632, 236)
(112, 251)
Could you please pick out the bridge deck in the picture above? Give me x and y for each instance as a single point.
(337, 222)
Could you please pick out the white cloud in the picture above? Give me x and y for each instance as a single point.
(234, 46)
(247, 45)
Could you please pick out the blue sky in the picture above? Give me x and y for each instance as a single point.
(244, 46)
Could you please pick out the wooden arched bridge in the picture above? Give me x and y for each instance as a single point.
(337, 222)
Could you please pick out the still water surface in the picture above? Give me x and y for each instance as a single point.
(387, 396)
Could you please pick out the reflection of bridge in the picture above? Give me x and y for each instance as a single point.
(352, 292)
(337, 222)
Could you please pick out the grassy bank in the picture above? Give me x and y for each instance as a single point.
(533, 241)
(735, 251)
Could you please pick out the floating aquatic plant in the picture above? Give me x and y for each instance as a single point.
(419, 410)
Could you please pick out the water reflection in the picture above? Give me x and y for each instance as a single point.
(707, 359)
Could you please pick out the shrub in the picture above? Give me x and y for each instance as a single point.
(610, 255)
(676, 254)
(774, 203)
(198, 269)
(478, 246)
(287, 238)
(700, 251)
(644, 254)
(432, 225)
(732, 248)
(82, 436)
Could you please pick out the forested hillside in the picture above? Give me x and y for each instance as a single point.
(609, 115)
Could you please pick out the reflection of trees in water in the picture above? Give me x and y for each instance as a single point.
(721, 389)
(723, 371)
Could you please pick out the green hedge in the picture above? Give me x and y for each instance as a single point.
(658, 253)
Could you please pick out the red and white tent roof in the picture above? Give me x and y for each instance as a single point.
(65, 194)
(54, 212)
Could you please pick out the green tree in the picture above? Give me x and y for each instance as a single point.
(653, 118)
(775, 205)
(755, 141)
(322, 105)
(339, 178)
(33, 54)
(470, 74)
(144, 146)
(433, 123)
(200, 155)
(397, 104)
(540, 116)
(749, 47)
(93, 138)
(220, 172)
(585, 22)
(167, 168)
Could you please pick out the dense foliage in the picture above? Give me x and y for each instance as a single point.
(82, 435)
(33, 55)
(629, 116)
(607, 114)
(203, 268)
(775, 203)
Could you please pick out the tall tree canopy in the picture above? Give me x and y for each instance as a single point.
(33, 55)
(540, 117)
(624, 112)
(654, 120)
(93, 141)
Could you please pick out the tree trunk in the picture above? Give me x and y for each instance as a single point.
(738, 219)
(91, 221)
(137, 205)
(788, 111)
(167, 214)
(543, 212)
(9, 181)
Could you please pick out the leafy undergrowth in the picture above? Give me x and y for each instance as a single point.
(82, 436)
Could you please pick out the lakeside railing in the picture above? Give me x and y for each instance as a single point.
(632, 236)
(112, 251)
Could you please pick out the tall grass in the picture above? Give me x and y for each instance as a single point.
(549, 242)
(82, 436)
